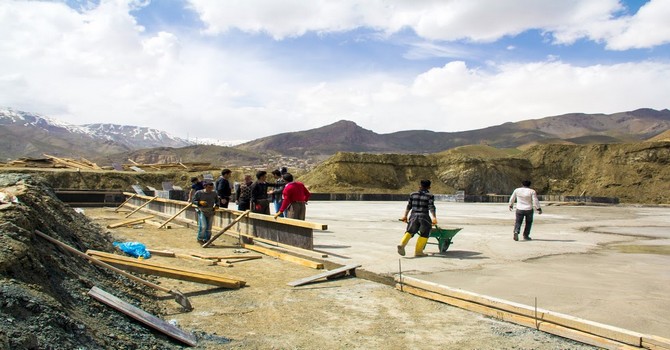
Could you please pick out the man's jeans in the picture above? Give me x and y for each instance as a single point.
(204, 226)
(520, 215)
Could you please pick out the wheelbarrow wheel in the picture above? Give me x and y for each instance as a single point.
(445, 245)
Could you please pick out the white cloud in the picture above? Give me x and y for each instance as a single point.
(100, 65)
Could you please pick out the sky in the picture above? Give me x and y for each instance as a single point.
(246, 69)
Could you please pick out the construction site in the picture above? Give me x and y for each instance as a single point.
(594, 276)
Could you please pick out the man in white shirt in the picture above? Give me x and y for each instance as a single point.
(526, 199)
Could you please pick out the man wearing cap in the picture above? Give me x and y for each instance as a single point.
(205, 201)
(422, 204)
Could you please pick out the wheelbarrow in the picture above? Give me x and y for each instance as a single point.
(443, 236)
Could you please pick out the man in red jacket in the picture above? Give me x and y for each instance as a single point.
(295, 199)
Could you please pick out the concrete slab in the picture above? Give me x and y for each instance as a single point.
(576, 263)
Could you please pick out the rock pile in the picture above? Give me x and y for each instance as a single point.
(43, 300)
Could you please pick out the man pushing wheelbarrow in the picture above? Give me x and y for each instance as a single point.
(421, 203)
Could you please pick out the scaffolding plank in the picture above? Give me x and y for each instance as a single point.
(142, 316)
(350, 268)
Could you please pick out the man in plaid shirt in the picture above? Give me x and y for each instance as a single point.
(421, 203)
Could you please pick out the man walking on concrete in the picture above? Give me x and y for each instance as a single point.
(526, 199)
(421, 203)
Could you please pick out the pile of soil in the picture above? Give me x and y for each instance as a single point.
(43, 289)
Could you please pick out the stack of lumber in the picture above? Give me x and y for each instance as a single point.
(142, 266)
(585, 331)
(190, 166)
(53, 162)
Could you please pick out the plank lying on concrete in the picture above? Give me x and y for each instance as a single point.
(530, 322)
(132, 264)
(142, 316)
(283, 256)
(601, 330)
(331, 273)
(130, 221)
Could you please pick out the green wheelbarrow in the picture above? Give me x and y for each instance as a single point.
(443, 236)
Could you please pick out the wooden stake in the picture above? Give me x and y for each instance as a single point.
(124, 203)
(129, 222)
(237, 219)
(141, 206)
(175, 215)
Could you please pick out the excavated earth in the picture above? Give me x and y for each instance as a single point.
(44, 302)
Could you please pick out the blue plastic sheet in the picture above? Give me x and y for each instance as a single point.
(135, 249)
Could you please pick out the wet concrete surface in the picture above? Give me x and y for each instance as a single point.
(579, 261)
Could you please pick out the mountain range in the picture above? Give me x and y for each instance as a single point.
(24, 134)
(575, 128)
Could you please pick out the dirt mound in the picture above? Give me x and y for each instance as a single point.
(43, 289)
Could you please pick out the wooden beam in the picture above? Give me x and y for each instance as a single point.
(237, 219)
(340, 270)
(175, 215)
(599, 329)
(141, 206)
(130, 221)
(292, 248)
(124, 203)
(224, 257)
(283, 256)
(518, 319)
(655, 342)
(166, 253)
(141, 266)
(209, 262)
(142, 316)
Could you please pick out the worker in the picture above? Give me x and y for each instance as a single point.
(421, 203)
(205, 201)
(295, 197)
(526, 199)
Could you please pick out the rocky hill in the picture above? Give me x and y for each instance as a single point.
(633, 126)
(635, 173)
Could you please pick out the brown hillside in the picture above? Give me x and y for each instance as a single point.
(635, 173)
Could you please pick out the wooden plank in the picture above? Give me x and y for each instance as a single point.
(655, 341)
(294, 249)
(602, 330)
(351, 268)
(230, 261)
(141, 206)
(175, 215)
(224, 257)
(530, 322)
(167, 253)
(209, 262)
(145, 267)
(124, 203)
(142, 316)
(130, 221)
(237, 219)
(283, 256)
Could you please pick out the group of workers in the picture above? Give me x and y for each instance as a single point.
(288, 196)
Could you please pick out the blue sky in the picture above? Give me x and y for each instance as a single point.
(240, 70)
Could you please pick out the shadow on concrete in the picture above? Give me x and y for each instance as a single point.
(460, 254)
(548, 240)
(325, 246)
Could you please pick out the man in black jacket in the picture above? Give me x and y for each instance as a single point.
(223, 188)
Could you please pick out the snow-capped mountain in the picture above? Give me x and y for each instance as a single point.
(24, 134)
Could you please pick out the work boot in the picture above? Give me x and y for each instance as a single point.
(403, 243)
(516, 236)
(420, 245)
(527, 238)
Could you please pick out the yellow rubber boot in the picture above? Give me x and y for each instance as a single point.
(420, 245)
(403, 243)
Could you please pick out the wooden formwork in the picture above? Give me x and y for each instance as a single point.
(295, 233)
